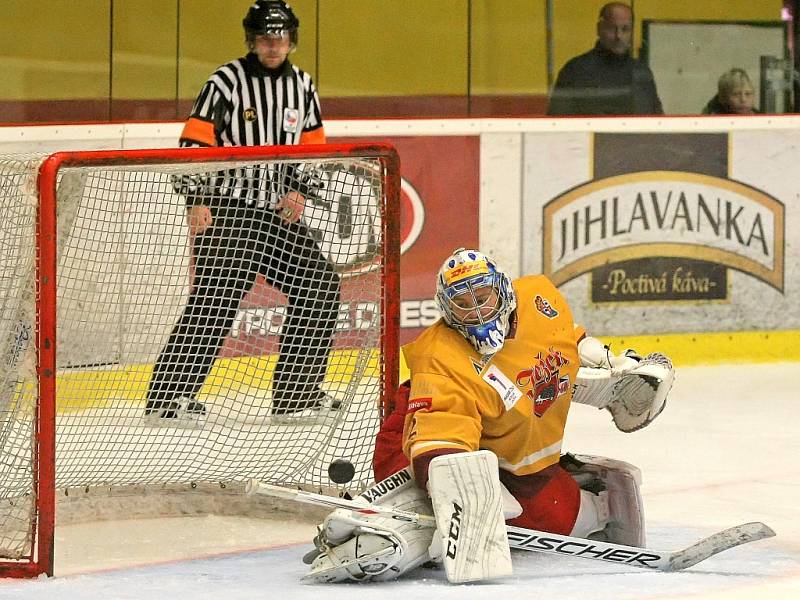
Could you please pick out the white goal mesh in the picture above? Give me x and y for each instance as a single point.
(255, 348)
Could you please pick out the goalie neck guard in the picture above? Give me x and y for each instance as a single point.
(476, 299)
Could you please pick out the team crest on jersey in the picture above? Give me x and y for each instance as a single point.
(544, 380)
(290, 118)
(544, 307)
(508, 392)
(250, 114)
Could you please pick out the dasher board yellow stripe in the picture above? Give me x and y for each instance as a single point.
(100, 387)
(716, 348)
(78, 390)
(689, 349)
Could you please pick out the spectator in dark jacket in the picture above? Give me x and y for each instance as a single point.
(735, 95)
(607, 80)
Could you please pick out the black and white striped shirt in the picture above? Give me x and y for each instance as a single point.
(250, 105)
(245, 104)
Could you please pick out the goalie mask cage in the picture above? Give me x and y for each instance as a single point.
(96, 254)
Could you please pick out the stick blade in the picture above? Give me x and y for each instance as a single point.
(719, 542)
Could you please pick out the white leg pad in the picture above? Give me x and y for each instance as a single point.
(625, 510)
(468, 505)
(592, 515)
(511, 506)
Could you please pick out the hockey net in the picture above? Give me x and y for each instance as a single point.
(110, 229)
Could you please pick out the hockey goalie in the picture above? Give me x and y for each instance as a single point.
(481, 423)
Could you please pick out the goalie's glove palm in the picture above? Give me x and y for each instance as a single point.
(641, 392)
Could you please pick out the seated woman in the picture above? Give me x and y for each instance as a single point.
(735, 95)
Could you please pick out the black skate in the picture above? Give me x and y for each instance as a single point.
(180, 412)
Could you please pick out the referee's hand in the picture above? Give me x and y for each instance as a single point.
(199, 219)
(291, 206)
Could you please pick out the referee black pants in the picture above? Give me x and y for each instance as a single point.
(241, 244)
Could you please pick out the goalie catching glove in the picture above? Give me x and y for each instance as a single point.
(633, 389)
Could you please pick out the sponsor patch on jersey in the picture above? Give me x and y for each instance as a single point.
(290, 118)
(250, 114)
(418, 403)
(508, 392)
(544, 307)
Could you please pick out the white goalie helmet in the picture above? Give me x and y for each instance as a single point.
(476, 299)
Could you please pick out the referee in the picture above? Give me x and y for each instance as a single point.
(245, 222)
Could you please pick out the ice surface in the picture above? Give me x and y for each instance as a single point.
(725, 451)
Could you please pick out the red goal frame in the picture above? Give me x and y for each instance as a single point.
(42, 525)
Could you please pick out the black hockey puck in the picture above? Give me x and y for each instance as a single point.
(341, 471)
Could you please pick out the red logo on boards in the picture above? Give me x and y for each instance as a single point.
(412, 215)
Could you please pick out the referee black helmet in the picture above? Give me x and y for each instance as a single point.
(270, 17)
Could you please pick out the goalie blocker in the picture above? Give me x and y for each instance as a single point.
(470, 506)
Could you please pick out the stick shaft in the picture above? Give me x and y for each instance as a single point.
(257, 487)
(552, 543)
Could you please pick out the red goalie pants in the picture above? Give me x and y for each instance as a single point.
(550, 499)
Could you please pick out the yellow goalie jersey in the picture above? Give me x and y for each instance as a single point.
(514, 403)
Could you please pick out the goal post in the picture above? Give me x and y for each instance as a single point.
(287, 335)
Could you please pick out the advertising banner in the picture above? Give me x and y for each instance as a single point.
(439, 211)
(657, 232)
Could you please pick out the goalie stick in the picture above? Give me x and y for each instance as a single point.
(254, 486)
(552, 543)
